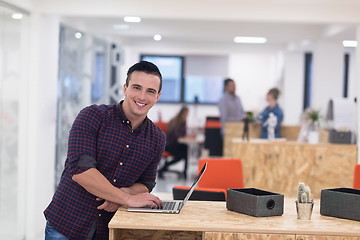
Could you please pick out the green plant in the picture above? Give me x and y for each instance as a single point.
(313, 115)
(304, 193)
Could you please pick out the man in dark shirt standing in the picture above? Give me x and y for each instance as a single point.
(112, 160)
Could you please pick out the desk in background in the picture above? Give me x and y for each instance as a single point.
(235, 130)
(211, 221)
(278, 166)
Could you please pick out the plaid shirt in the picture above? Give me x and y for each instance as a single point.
(124, 156)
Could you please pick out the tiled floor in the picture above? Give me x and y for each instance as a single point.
(163, 188)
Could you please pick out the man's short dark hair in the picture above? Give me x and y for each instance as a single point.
(146, 67)
(227, 81)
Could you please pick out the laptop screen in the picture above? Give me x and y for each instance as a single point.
(197, 179)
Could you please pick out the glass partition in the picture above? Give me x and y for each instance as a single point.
(13, 71)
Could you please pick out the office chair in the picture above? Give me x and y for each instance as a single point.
(166, 156)
(357, 177)
(221, 174)
(213, 138)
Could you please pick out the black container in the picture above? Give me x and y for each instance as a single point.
(341, 203)
(255, 202)
(339, 137)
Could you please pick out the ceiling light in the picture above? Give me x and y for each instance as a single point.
(132, 19)
(157, 37)
(250, 39)
(121, 26)
(349, 43)
(78, 35)
(17, 16)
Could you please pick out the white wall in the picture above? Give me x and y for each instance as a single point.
(328, 70)
(41, 102)
(254, 68)
(293, 87)
(254, 73)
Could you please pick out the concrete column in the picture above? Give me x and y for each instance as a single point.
(41, 102)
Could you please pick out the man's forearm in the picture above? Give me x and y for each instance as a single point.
(96, 183)
(135, 189)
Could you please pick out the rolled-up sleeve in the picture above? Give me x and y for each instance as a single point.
(82, 140)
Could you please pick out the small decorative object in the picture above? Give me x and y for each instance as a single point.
(248, 118)
(304, 203)
(271, 123)
(340, 136)
(313, 134)
(340, 203)
(255, 202)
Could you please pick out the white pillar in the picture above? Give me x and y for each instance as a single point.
(42, 98)
(357, 77)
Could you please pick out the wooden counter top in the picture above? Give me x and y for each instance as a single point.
(214, 217)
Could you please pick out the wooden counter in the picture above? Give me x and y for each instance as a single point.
(212, 221)
(235, 130)
(278, 166)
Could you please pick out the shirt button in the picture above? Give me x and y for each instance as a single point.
(127, 122)
(100, 215)
(114, 180)
(121, 163)
(127, 146)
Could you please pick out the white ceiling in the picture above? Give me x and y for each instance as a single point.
(211, 31)
(210, 21)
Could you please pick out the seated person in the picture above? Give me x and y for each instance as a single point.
(176, 129)
(272, 116)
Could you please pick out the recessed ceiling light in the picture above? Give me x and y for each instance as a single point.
(349, 43)
(157, 37)
(239, 39)
(17, 16)
(78, 35)
(121, 26)
(132, 19)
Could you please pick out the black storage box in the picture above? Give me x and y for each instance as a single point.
(339, 137)
(255, 202)
(341, 203)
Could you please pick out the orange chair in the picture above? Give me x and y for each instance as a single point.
(163, 126)
(357, 177)
(221, 174)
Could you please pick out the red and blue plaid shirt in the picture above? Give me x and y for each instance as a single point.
(101, 137)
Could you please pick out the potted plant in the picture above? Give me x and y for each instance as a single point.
(304, 202)
(313, 134)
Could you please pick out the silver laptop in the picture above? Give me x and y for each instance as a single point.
(172, 206)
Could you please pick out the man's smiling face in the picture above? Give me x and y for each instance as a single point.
(141, 94)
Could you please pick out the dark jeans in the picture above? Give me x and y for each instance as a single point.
(52, 234)
(179, 151)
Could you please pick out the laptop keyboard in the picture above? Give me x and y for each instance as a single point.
(168, 205)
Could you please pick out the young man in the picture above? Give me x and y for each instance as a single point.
(113, 154)
(230, 106)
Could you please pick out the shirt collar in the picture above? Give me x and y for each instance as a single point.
(126, 121)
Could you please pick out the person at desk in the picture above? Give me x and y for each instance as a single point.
(112, 160)
(230, 105)
(271, 117)
(176, 129)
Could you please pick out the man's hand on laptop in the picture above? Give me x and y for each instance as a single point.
(144, 199)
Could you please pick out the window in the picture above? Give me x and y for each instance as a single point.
(204, 76)
(346, 75)
(171, 68)
(307, 80)
(192, 78)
